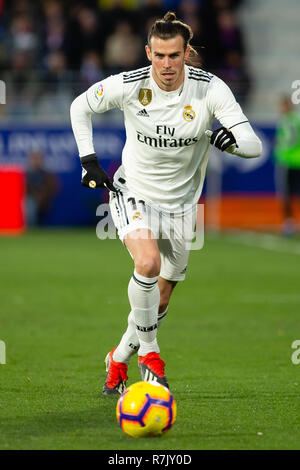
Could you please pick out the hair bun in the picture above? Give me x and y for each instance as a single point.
(170, 16)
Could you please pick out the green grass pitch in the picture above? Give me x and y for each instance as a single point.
(226, 342)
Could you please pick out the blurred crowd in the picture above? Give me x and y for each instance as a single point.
(52, 50)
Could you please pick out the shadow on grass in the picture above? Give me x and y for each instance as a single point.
(93, 420)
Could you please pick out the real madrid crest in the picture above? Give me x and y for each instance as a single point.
(188, 113)
(137, 216)
(145, 96)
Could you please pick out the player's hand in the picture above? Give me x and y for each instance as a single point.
(221, 138)
(93, 175)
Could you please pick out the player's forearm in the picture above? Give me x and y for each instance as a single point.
(248, 145)
(81, 121)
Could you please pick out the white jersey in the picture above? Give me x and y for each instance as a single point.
(166, 151)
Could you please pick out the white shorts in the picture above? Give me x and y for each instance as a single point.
(173, 232)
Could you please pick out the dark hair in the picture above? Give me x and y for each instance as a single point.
(168, 27)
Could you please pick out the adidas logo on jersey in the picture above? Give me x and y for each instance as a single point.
(143, 112)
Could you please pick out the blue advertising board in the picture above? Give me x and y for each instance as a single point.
(255, 175)
(76, 205)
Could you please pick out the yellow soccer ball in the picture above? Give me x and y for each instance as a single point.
(146, 409)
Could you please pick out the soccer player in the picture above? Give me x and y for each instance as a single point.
(168, 110)
(287, 159)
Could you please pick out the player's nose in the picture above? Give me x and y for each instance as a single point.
(166, 62)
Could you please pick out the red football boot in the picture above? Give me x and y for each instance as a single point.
(152, 368)
(115, 382)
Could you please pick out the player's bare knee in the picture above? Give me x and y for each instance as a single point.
(148, 266)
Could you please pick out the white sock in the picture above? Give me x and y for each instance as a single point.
(129, 343)
(144, 297)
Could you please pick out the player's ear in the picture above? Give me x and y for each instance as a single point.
(187, 52)
(148, 52)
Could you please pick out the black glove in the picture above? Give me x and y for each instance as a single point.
(93, 175)
(221, 138)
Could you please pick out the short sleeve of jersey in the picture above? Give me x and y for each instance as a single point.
(223, 104)
(106, 95)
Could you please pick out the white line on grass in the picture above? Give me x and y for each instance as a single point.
(264, 241)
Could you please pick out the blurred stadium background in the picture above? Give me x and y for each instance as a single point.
(52, 50)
